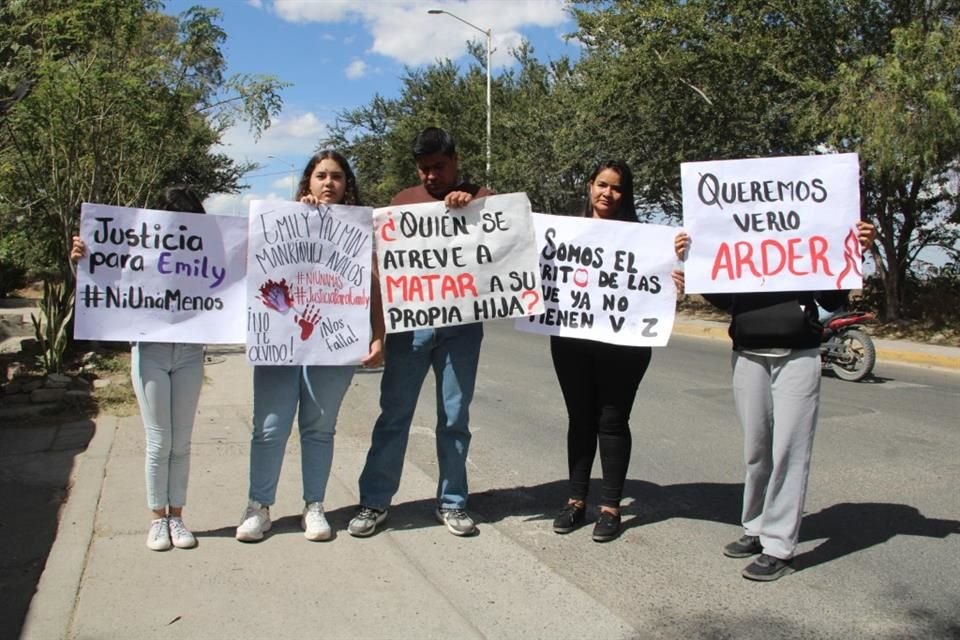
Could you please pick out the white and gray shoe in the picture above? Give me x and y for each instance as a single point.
(255, 523)
(158, 538)
(366, 521)
(315, 525)
(458, 521)
(180, 536)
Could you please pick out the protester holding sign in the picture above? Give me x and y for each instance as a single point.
(776, 390)
(318, 391)
(452, 352)
(166, 379)
(599, 381)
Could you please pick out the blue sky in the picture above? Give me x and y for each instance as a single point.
(338, 53)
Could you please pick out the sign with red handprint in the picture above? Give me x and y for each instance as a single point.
(308, 283)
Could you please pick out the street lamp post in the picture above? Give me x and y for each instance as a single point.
(489, 34)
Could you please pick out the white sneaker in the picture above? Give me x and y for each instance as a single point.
(256, 522)
(315, 525)
(158, 538)
(180, 535)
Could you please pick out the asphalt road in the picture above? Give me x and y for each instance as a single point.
(880, 545)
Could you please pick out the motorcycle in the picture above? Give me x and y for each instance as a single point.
(845, 349)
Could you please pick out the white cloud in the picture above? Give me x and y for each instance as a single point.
(257, 4)
(284, 184)
(356, 69)
(404, 31)
(289, 134)
(236, 204)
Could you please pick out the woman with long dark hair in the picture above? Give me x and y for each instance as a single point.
(318, 391)
(599, 382)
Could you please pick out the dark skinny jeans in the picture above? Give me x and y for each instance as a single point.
(599, 382)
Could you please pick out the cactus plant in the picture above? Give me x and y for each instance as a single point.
(52, 326)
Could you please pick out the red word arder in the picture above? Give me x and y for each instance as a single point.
(430, 287)
(771, 257)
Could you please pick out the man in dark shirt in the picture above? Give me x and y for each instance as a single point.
(452, 353)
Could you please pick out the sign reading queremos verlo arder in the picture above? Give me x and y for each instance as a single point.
(160, 276)
(605, 280)
(442, 267)
(772, 224)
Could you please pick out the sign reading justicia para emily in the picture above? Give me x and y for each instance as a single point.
(160, 276)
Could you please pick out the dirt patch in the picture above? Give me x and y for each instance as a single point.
(105, 368)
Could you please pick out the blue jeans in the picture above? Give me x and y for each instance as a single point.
(167, 378)
(453, 353)
(277, 390)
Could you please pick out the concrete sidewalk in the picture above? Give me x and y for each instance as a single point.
(409, 581)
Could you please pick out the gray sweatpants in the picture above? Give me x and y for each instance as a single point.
(777, 399)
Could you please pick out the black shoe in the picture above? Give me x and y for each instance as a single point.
(766, 568)
(745, 547)
(571, 517)
(607, 527)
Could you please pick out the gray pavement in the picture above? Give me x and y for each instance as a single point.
(413, 580)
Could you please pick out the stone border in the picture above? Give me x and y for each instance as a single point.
(51, 610)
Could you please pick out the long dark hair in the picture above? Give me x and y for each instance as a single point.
(350, 196)
(180, 198)
(628, 208)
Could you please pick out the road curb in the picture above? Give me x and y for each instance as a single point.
(51, 609)
(942, 361)
(920, 355)
(701, 329)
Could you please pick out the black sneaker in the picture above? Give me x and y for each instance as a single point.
(766, 568)
(744, 547)
(571, 517)
(607, 527)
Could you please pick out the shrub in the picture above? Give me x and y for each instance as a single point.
(12, 276)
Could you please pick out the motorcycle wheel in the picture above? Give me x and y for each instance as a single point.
(857, 357)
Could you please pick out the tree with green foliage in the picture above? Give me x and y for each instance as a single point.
(109, 101)
(900, 110)
(123, 100)
(532, 129)
(377, 137)
(717, 79)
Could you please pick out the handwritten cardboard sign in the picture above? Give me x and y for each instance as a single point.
(308, 283)
(605, 280)
(441, 267)
(772, 224)
(160, 276)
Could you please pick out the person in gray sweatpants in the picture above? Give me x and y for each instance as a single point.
(776, 390)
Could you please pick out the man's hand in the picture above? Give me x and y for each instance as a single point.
(457, 199)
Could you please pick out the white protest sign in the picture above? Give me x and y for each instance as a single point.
(772, 224)
(441, 267)
(605, 280)
(308, 283)
(160, 276)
